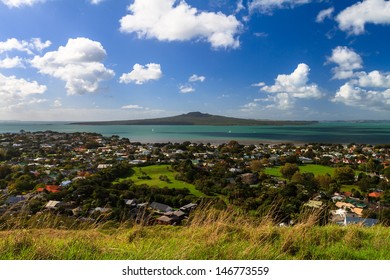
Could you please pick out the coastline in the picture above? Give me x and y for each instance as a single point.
(223, 141)
(376, 133)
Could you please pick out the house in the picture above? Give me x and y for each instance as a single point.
(165, 220)
(130, 202)
(314, 204)
(142, 205)
(344, 205)
(348, 194)
(104, 166)
(305, 160)
(375, 195)
(65, 183)
(337, 198)
(180, 214)
(188, 208)
(77, 211)
(350, 220)
(53, 204)
(341, 217)
(159, 207)
(50, 188)
(100, 210)
(358, 211)
(171, 218)
(338, 216)
(15, 199)
(250, 178)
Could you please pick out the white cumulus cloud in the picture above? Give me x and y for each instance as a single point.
(14, 62)
(196, 78)
(324, 14)
(171, 20)
(289, 87)
(347, 62)
(133, 107)
(267, 6)
(355, 96)
(186, 89)
(20, 3)
(12, 88)
(261, 84)
(240, 6)
(38, 101)
(142, 74)
(79, 64)
(39, 45)
(366, 90)
(28, 47)
(57, 103)
(374, 79)
(354, 18)
(95, 2)
(249, 107)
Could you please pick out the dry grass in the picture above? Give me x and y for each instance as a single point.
(209, 234)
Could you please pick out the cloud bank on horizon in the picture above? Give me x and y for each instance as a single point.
(280, 59)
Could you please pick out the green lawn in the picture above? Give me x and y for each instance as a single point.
(313, 168)
(316, 170)
(154, 172)
(348, 188)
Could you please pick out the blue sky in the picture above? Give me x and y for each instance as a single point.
(265, 59)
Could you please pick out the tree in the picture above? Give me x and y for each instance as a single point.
(4, 171)
(256, 165)
(234, 147)
(386, 172)
(298, 178)
(344, 175)
(325, 160)
(309, 153)
(288, 170)
(367, 182)
(324, 181)
(292, 159)
(22, 184)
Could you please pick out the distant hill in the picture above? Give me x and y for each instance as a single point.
(197, 118)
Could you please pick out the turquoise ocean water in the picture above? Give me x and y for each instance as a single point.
(323, 132)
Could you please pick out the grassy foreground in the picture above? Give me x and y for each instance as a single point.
(211, 235)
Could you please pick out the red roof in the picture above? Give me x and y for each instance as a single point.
(375, 194)
(348, 193)
(50, 188)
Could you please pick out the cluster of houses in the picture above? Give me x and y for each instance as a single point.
(49, 151)
(348, 210)
(58, 159)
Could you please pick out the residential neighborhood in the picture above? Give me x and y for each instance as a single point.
(88, 176)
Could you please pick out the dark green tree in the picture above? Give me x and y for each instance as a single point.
(288, 170)
(344, 175)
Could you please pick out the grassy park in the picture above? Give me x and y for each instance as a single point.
(160, 176)
(309, 168)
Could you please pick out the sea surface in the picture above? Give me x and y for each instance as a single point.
(323, 132)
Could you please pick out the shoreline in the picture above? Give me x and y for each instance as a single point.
(222, 141)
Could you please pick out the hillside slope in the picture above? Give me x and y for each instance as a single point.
(210, 236)
(197, 118)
